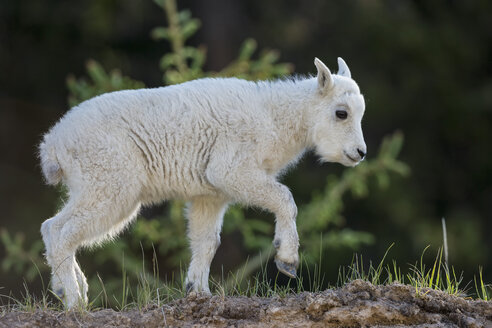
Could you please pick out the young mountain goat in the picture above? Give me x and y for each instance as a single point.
(211, 142)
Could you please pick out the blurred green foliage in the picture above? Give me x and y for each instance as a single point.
(323, 212)
(100, 82)
(22, 260)
(182, 64)
(166, 232)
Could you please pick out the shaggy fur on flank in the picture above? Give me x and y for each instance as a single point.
(210, 142)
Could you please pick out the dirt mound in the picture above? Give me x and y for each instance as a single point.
(358, 304)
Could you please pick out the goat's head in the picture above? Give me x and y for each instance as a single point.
(338, 109)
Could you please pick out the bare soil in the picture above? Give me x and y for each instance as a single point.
(358, 304)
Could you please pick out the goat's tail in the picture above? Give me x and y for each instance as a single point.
(50, 166)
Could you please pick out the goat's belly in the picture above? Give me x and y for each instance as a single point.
(183, 184)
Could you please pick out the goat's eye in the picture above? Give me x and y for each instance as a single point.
(341, 114)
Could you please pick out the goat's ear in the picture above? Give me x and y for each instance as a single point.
(343, 69)
(325, 79)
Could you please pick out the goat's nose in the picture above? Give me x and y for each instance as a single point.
(361, 153)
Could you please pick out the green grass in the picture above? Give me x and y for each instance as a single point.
(356, 271)
(483, 291)
(149, 290)
(439, 276)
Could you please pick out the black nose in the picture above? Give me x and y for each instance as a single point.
(361, 153)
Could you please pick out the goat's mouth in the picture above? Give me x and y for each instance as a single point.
(350, 157)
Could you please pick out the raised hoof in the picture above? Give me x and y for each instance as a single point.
(286, 268)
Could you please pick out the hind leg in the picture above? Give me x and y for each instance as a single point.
(50, 231)
(81, 223)
(81, 282)
(46, 233)
(205, 216)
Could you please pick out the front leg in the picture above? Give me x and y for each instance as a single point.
(205, 217)
(256, 188)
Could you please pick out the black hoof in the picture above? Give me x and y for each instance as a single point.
(189, 287)
(60, 293)
(286, 268)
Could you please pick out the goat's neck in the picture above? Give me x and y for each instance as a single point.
(289, 102)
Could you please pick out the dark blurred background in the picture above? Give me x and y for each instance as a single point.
(425, 68)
